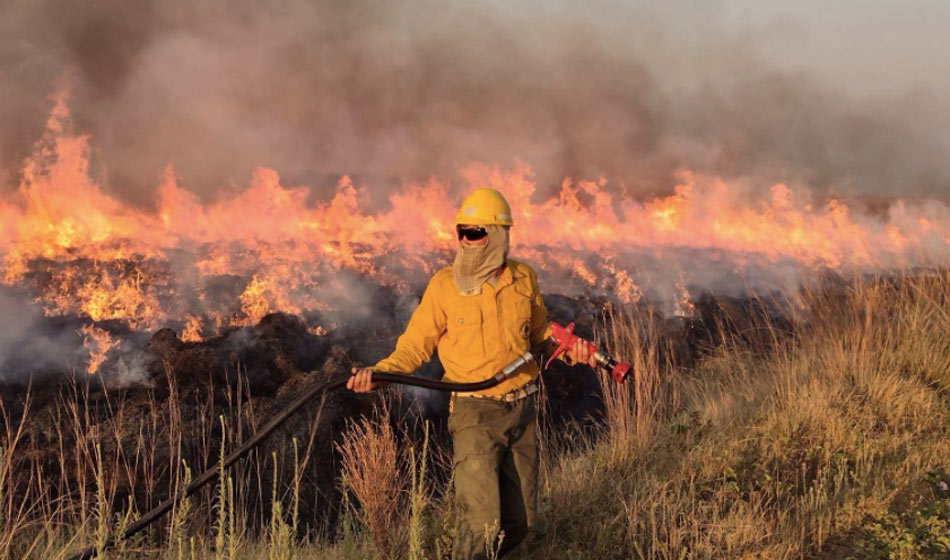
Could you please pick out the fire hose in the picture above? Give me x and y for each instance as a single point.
(562, 339)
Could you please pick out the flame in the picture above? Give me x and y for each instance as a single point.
(192, 330)
(201, 266)
(97, 342)
(264, 295)
(684, 306)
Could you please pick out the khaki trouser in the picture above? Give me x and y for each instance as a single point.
(496, 473)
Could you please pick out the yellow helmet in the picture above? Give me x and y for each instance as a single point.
(484, 207)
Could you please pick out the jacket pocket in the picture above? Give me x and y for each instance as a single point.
(465, 331)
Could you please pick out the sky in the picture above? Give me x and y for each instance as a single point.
(873, 47)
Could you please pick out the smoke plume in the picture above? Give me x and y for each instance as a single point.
(396, 91)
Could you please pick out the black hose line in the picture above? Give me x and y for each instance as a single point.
(333, 383)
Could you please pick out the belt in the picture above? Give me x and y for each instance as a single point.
(526, 391)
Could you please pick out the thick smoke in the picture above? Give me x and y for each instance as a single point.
(392, 91)
(29, 344)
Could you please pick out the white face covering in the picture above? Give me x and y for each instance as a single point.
(474, 264)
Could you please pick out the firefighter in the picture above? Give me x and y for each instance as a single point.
(481, 313)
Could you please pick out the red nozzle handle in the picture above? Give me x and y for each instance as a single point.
(564, 337)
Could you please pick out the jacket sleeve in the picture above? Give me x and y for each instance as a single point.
(540, 328)
(415, 346)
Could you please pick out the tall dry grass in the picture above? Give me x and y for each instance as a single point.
(77, 471)
(784, 448)
(374, 474)
(817, 428)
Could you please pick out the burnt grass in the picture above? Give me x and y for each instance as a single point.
(195, 395)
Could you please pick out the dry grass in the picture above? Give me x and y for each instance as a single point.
(373, 473)
(111, 451)
(783, 453)
(830, 441)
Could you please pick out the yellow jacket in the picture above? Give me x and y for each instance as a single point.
(476, 335)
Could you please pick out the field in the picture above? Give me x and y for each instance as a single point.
(820, 433)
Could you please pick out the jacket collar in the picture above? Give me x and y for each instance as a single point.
(509, 275)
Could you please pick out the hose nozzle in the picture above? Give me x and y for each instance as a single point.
(618, 370)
